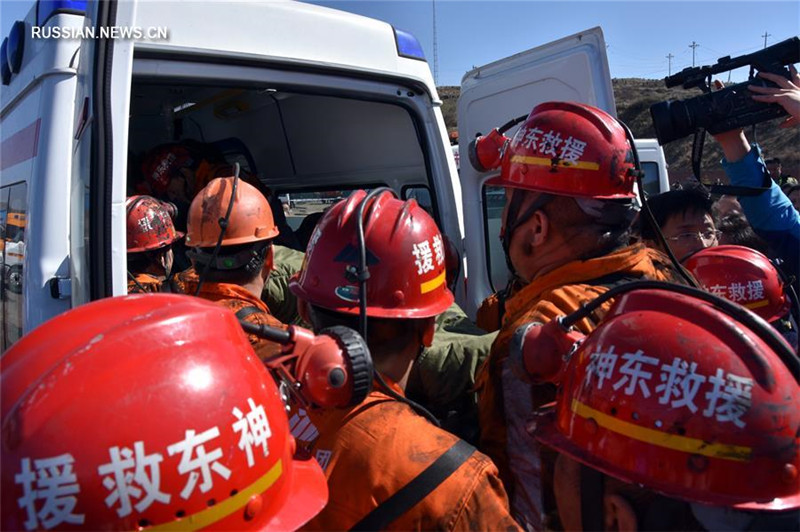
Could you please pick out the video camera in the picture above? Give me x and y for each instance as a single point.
(728, 108)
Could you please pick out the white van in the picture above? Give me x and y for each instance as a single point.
(654, 166)
(312, 100)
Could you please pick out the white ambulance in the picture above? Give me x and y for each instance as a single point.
(312, 100)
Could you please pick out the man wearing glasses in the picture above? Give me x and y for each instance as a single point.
(685, 219)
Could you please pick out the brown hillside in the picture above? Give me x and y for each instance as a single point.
(634, 98)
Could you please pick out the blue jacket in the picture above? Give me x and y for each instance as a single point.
(771, 214)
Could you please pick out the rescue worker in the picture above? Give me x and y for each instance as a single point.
(184, 428)
(230, 232)
(178, 171)
(387, 466)
(150, 236)
(685, 219)
(569, 174)
(443, 377)
(746, 277)
(172, 171)
(675, 415)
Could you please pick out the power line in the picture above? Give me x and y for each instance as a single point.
(765, 38)
(669, 58)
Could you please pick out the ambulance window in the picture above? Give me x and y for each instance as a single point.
(13, 219)
(422, 194)
(494, 199)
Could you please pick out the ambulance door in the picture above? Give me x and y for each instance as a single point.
(574, 68)
(97, 195)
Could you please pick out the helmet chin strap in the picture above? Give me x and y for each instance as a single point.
(514, 219)
(223, 225)
(361, 274)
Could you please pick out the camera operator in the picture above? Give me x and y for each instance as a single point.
(771, 213)
(787, 95)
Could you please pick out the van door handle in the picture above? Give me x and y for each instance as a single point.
(60, 287)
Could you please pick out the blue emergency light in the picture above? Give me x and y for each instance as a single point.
(16, 46)
(48, 8)
(6, 71)
(408, 45)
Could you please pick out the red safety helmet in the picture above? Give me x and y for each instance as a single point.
(149, 224)
(742, 275)
(250, 220)
(568, 149)
(104, 430)
(405, 258)
(672, 394)
(163, 163)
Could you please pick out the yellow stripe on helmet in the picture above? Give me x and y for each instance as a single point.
(222, 510)
(433, 284)
(663, 439)
(543, 161)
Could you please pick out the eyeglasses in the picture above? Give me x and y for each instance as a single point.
(709, 235)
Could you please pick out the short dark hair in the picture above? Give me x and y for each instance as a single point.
(774, 160)
(242, 275)
(668, 204)
(140, 261)
(404, 328)
(736, 230)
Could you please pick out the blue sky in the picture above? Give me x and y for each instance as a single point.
(640, 34)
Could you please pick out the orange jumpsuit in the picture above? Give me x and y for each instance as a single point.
(371, 451)
(147, 284)
(235, 298)
(490, 313)
(505, 403)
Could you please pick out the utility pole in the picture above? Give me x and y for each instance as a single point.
(693, 46)
(435, 49)
(669, 58)
(765, 38)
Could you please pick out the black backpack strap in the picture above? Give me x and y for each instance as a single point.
(416, 490)
(608, 282)
(612, 279)
(244, 312)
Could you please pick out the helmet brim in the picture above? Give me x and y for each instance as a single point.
(498, 181)
(548, 434)
(307, 495)
(444, 303)
(178, 236)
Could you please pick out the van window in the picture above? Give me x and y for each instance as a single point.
(423, 196)
(651, 181)
(494, 199)
(288, 138)
(13, 221)
(303, 210)
(305, 150)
